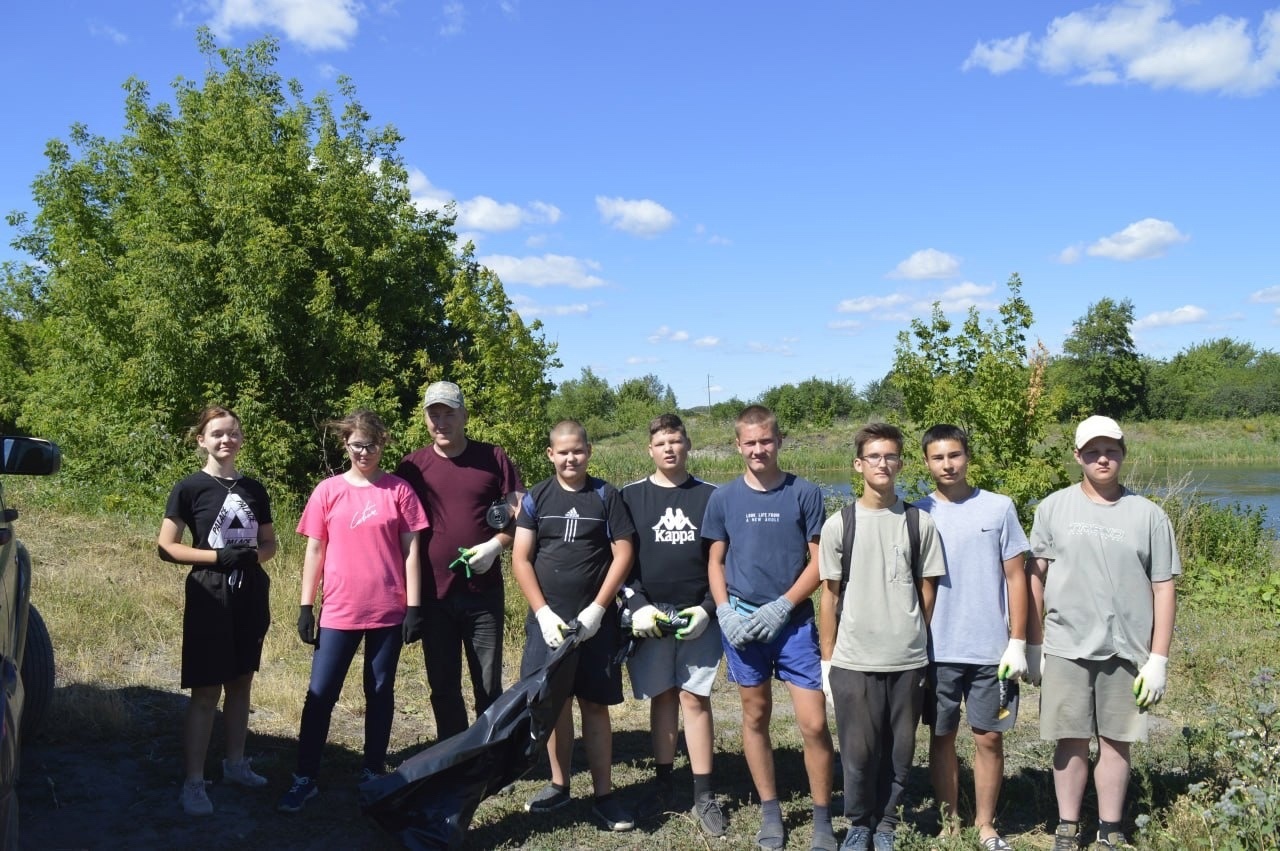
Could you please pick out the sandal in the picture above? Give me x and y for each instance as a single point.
(996, 843)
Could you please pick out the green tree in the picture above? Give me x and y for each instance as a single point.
(588, 399)
(247, 247)
(1216, 378)
(815, 401)
(1102, 371)
(640, 400)
(984, 380)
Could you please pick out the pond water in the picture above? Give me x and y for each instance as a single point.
(1250, 485)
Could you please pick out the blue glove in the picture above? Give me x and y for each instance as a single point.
(768, 620)
(733, 625)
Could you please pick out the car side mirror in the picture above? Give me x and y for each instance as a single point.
(31, 456)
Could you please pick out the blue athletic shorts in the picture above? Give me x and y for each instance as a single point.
(792, 657)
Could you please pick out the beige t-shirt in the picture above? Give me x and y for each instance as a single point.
(881, 626)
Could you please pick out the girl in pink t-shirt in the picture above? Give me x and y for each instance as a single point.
(362, 546)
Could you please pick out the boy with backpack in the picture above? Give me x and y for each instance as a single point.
(878, 589)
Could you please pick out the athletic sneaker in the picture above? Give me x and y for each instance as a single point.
(1114, 839)
(610, 813)
(710, 817)
(547, 799)
(242, 774)
(882, 840)
(657, 802)
(302, 790)
(367, 774)
(857, 839)
(195, 801)
(1066, 837)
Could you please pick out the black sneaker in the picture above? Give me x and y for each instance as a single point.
(302, 790)
(710, 817)
(610, 813)
(548, 799)
(1066, 837)
(1114, 839)
(657, 802)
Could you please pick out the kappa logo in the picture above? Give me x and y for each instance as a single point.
(673, 527)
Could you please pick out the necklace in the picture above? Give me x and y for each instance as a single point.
(235, 481)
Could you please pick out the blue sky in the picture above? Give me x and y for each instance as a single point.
(740, 195)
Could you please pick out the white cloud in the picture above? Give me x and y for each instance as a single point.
(1142, 240)
(455, 17)
(664, 334)
(638, 218)
(716, 239)
(1267, 296)
(1139, 41)
(637, 360)
(529, 309)
(999, 55)
(480, 213)
(1069, 255)
(845, 325)
(925, 264)
(769, 349)
(108, 32)
(869, 303)
(963, 297)
(1185, 315)
(549, 270)
(315, 24)
(706, 342)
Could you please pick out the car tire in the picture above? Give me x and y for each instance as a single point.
(37, 674)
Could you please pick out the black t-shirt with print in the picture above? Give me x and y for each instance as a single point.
(671, 554)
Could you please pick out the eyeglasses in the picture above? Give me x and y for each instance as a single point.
(364, 448)
(875, 460)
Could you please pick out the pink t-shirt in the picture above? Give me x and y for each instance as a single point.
(363, 572)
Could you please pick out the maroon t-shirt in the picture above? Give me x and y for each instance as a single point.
(456, 492)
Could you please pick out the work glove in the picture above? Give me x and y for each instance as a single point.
(553, 629)
(1013, 664)
(1033, 663)
(644, 622)
(589, 620)
(481, 557)
(734, 626)
(699, 620)
(768, 620)
(1148, 686)
(307, 626)
(826, 685)
(411, 630)
(236, 557)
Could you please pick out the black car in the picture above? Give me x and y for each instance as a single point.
(26, 654)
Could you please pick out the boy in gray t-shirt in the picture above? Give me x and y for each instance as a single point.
(978, 629)
(1103, 562)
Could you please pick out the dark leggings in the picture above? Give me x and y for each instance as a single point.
(329, 668)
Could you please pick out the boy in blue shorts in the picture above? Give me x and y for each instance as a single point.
(979, 628)
(571, 554)
(762, 569)
(875, 636)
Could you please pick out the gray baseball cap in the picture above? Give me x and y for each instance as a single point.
(443, 393)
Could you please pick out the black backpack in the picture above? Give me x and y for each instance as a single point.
(849, 514)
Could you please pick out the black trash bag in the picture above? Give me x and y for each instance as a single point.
(429, 801)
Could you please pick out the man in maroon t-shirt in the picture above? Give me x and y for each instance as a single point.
(459, 481)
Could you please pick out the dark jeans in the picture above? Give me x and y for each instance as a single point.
(329, 668)
(470, 622)
(876, 718)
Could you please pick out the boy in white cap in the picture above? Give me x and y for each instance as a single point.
(1103, 562)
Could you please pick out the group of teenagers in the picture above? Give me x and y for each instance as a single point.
(929, 607)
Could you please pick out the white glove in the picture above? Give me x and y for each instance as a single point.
(826, 685)
(553, 628)
(1033, 663)
(699, 620)
(1013, 664)
(589, 620)
(481, 557)
(644, 622)
(1148, 686)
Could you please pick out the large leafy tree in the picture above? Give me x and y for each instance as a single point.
(983, 378)
(247, 247)
(1102, 372)
(1216, 378)
(816, 401)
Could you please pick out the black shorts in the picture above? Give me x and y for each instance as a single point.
(599, 677)
(223, 629)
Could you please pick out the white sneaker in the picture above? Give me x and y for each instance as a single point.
(194, 800)
(242, 774)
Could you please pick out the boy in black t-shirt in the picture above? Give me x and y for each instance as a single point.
(572, 553)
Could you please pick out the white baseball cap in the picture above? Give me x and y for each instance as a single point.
(1097, 426)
